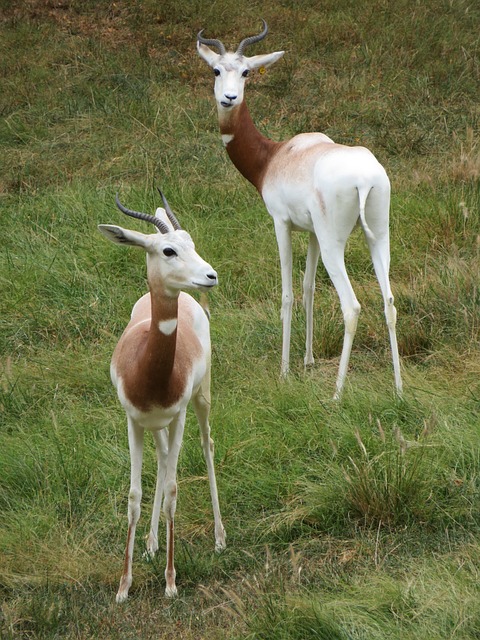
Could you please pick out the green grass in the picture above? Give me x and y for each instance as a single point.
(352, 520)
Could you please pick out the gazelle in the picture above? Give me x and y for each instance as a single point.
(161, 362)
(308, 183)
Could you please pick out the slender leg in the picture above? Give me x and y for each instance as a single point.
(381, 261)
(284, 241)
(333, 259)
(175, 436)
(161, 445)
(135, 442)
(308, 293)
(350, 319)
(201, 404)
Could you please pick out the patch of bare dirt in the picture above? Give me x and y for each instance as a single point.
(109, 23)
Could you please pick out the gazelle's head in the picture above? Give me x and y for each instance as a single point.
(172, 262)
(232, 68)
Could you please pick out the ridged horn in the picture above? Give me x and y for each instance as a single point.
(211, 43)
(171, 216)
(161, 226)
(246, 42)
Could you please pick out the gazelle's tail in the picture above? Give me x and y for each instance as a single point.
(362, 199)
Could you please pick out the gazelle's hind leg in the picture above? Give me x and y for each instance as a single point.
(380, 251)
(201, 405)
(135, 442)
(161, 446)
(333, 259)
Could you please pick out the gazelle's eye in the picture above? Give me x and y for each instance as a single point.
(169, 252)
(216, 72)
(245, 73)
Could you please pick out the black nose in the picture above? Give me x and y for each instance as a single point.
(212, 276)
(230, 97)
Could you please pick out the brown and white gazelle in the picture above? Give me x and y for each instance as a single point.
(308, 183)
(161, 362)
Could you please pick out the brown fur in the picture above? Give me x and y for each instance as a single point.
(155, 366)
(250, 151)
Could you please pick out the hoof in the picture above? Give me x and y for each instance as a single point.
(152, 546)
(220, 546)
(122, 593)
(171, 592)
(121, 596)
(220, 541)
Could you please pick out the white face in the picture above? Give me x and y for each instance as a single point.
(231, 72)
(172, 261)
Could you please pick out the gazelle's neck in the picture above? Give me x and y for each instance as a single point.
(248, 149)
(154, 378)
(146, 358)
(162, 337)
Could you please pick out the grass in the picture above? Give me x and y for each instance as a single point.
(351, 520)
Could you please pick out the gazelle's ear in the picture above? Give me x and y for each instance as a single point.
(160, 213)
(119, 235)
(210, 56)
(264, 60)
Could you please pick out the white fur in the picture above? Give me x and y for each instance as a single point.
(313, 184)
(226, 138)
(167, 327)
(168, 273)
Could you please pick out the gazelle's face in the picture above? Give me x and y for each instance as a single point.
(173, 261)
(231, 72)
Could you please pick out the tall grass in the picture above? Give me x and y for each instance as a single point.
(357, 519)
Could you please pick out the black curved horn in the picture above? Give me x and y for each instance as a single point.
(171, 216)
(211, 43)
(246, 42)
(161, 226)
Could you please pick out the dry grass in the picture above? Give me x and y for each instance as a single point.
(350, 520)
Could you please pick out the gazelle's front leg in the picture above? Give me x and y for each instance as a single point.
(284, 241)
(135, 442)
(313, 254)
(161, 446)
(175, 436)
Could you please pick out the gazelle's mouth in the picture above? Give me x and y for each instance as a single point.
(226, 104)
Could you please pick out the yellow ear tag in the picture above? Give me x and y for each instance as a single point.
(262, 70)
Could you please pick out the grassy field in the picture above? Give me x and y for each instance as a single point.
(350, 520)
